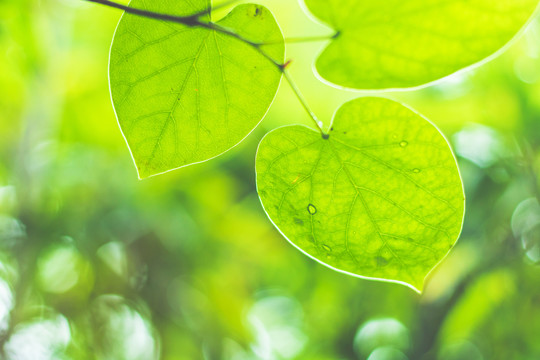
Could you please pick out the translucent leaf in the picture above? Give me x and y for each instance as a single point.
(381, 198)
(184, 95)
(397, 44)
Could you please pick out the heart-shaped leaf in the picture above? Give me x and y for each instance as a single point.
(183, 94)
(380, 198)
(398, 43)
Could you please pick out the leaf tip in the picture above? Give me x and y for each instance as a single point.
(143, 172)
(416, 284)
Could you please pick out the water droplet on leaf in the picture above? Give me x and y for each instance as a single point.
(416, 171)
(403, 143)
(312, 209)
(327, 248)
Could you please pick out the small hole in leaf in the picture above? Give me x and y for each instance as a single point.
(312, 209)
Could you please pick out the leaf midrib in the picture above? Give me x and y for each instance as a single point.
(178, 98)
(367, 209)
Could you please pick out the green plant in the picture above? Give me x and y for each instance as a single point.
(377, 193)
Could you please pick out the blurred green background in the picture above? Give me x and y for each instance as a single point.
(95, 264)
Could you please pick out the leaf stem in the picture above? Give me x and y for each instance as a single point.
(193, 21)
(306, 39)
(304, 103)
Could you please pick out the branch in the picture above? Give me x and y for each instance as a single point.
(191, 21)
(194, 21)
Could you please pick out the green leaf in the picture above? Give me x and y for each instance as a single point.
(398, 44)
(184, 95)
(382, 198)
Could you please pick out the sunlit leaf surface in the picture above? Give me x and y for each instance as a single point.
(381, 198)
(396, 43)
(184, 95)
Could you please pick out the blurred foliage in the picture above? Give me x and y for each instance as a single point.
(95, 264)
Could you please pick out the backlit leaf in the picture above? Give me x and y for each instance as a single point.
(381, 198)
(397, 43)
(184, 95)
